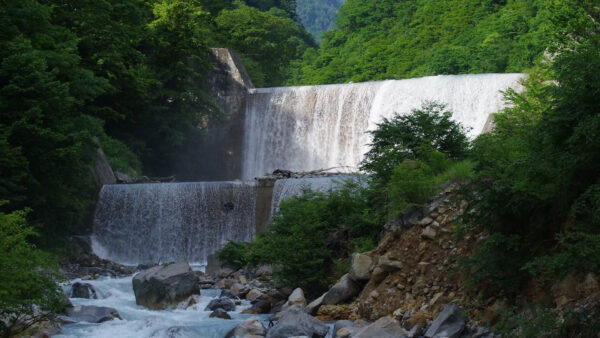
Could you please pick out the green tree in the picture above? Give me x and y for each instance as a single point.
(44, 132)
(28, 277)
(268, 41)
(413, 136)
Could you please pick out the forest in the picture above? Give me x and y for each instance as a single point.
(130, 76)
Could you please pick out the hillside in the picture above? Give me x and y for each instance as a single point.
(387, 39)
(317, 16)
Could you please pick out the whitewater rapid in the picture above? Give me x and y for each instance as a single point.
(141, 322)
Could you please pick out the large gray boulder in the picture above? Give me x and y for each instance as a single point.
(163, 287)
(384, 327)
(83, 290)
(250, 328)
(226, 304)
(360, 268)
(295, 299)
(450, 323)
(295, 322)
(345, 289)
(90, 314)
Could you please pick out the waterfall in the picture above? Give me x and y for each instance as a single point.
(315, 127)
(140, 223)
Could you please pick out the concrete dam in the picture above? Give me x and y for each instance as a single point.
(295, 128)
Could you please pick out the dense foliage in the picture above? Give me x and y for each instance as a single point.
(538, 172)
(318, 15)
(388, 39)
(28, 277)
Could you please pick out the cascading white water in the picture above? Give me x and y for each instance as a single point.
(172, 221)
(315, 127)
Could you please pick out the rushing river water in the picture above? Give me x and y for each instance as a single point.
(140, 322)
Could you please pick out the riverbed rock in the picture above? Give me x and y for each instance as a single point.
(360, 268)
(295, 322)
(226, 304)
(343, 290)
(295, 299)
(163, 287)
(261, 306)
(250, 328)
(450, 323)
(220, 313)
(384, 327)
(253, 294)
(90, 314)
(83, 290)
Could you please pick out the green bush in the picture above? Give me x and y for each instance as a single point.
(234, 254)
(29, 276)
(412, 183)
(296, 242)
(415, 136)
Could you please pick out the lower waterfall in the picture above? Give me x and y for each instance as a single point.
(165, 222)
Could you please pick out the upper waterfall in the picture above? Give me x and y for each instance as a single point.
(314, 127)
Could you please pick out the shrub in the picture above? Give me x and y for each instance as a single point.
(28, 277)
(296, 242)
(234, 254)
(411, 184)
(407, 136)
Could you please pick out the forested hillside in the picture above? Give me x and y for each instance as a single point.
(388, 39)
(129, 73)
(318, 15)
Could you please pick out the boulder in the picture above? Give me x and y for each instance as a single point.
(384, 327)
(360, 268)
(263, 270)
(250, 328)
(387, 263)
(239, 290)
(295, 299)
(429, 233)
(220, 313)
(295, 322)
(164, 287)
(342, 291)
(90, 314)
(261, 306)
(227, 294)
(450, 323)
(83, 290)
(226, 304)
(253, 294)
(342, 323)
